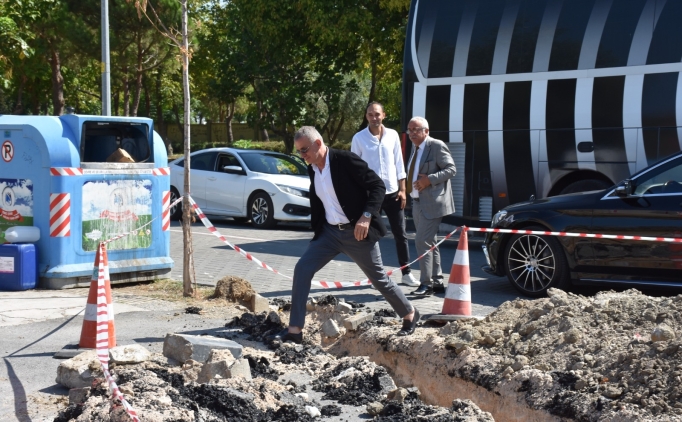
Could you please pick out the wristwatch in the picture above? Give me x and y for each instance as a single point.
(367, 214)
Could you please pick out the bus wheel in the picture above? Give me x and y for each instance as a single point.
(585, 186)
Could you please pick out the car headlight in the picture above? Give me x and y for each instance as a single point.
(498, 217)
(293, 191)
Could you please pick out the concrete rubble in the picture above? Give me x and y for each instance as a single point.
(610, 357)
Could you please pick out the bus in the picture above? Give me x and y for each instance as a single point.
(537, 98)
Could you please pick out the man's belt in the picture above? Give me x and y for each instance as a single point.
(415, 199)
(342, 226)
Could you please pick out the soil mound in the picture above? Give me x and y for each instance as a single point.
(234, 289)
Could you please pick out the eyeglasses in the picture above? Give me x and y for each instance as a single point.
(303, 150)
(415, 130)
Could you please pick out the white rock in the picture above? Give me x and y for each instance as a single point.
(313, 411)
(330, 328)
(132, 353)
(304, 396)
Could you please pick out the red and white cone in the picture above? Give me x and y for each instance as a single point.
(103, 333)
(458, 294)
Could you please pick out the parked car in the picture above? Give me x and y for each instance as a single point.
(647, 204)
(262, 186)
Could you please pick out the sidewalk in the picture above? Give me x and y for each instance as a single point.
(30, 306)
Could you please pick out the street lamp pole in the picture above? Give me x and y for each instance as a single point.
(106, 86)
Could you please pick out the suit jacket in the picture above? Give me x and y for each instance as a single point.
(357, 188)
(436, 162)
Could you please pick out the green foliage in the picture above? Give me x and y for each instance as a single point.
(275, 64)
(243, 144)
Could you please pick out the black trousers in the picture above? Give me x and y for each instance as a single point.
(396, 219)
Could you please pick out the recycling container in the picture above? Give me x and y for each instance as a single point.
(18, 267)
(82, 180)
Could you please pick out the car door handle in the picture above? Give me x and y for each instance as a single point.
(212, 179)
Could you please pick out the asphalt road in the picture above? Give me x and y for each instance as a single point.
(280, 248)
(27, 367)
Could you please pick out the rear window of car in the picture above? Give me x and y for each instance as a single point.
(274, 164)
(204, 161)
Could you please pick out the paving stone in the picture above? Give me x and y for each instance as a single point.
(352, 323)
(258, 304)
(344, 308)
(183, 347)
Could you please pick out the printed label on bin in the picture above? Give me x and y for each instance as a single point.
(16, 204)
(113, 207)
(6, 264)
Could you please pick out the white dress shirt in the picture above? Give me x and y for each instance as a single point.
(384, 156)
(415, 175)
(324, 188)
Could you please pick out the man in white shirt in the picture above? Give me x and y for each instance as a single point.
(345, 199)
(380, 148)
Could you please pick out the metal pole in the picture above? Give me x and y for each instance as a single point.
(106, 97)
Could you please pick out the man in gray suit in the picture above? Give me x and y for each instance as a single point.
(430, 169)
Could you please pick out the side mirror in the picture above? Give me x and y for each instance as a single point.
(233, 170)
(625, 189)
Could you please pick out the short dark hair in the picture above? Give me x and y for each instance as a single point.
(375, 103)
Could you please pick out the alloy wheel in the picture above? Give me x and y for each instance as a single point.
(259, 211)
(531, 263)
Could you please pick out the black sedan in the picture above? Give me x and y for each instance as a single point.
(648, 204)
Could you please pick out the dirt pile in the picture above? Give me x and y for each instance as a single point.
(611, 357)
(234, 289)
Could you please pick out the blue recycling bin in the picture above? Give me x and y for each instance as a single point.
(81, 180)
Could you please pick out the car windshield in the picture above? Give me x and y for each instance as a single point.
(272, 163)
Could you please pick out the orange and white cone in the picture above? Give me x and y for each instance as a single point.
(458, 295)
(105, 331)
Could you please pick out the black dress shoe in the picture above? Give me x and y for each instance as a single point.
(438, 287)
(284, 336)
(409, 326)
(423, 290)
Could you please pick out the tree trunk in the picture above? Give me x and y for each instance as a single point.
(262, 131)
(159, 109)
(333, 137)
(372, 90)
(138, 80)
(228, 122)
(57, 83)
(147, 98)
(19, 108)
(114, 109)
(126, 92)
(188, 276)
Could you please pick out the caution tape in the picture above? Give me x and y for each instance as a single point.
(569, 234)
(102, 337)
(322, 283)
(134, 231)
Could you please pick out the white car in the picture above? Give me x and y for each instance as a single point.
(262, 186)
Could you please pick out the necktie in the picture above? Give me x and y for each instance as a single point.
(410, 173)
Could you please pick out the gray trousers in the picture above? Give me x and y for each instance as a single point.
(331, 242)
(424, 239)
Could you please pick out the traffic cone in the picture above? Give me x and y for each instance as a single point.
(106, 330)
(458, 295)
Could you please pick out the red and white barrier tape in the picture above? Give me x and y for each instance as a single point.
(102, 337)
(567, 234)
(321, 283)
(122, 235)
